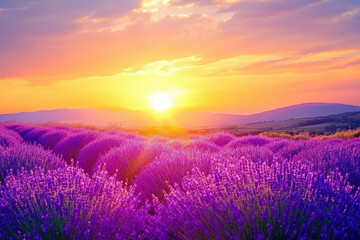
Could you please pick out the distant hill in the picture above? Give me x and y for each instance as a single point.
(302, 111)
(318, 125)
(127, 118)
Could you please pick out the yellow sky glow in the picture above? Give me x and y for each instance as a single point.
(225, 56)
(161, 101)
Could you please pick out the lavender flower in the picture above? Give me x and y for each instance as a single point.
(130, 158)
(216, 186)
(24, 129)
(89, 155)
(51, 138)
(33, 135)
(169, 168)
(249, 140)
(9, 138)
(70, 146)
(257, 201)
(27, 157)
(202, 145)
(67, 204)
(220, 138)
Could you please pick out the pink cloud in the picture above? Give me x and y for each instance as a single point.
(44, 40)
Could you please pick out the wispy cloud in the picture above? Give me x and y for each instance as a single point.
(246, 45)
(39, 38)
(163, 67)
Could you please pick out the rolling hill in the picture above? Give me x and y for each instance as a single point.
(127, 118)
(317, 125)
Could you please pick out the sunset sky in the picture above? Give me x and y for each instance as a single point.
(231, 56)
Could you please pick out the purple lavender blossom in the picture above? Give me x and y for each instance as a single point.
(257, 201)
(51, 138)
(27, 157)
(33, 135)
(169, 168)
(67, 204)
(255, 154)
(130, 158)
(23, 129)
(220, 138)
(12, 126)
(202, 145)
(249, 140)
(216, 186)
(327, 155)
(277, 144)
(70, 146)
(89, 155)
(9, 138)
(126, 159)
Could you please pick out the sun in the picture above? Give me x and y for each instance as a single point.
(161, 101)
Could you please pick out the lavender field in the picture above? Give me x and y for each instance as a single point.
(64, 182)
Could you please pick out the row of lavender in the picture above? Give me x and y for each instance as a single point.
(207, 187)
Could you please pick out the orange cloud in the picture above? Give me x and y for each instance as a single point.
(223, 55)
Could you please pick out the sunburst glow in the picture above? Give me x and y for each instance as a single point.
(161, 101)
